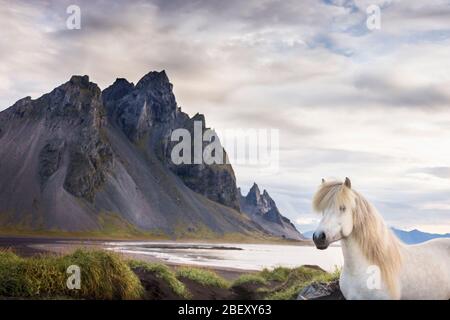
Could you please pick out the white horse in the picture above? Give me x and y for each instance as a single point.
(376, 264)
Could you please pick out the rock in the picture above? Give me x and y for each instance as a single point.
(50, 158)
(120, 88)
(77, 107)
(321, 291)
(262, 209)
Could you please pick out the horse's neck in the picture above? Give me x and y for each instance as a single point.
(354, 259)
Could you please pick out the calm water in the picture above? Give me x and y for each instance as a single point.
(228, 255)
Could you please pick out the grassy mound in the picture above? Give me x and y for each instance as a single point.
(104, 275)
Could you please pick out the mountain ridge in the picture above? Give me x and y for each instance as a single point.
(77, 154)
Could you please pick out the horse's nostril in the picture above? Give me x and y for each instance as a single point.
(319, 236)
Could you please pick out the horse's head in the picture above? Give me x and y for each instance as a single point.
(336, 201)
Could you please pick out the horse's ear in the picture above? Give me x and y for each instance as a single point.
(323, 180)
(348, 183)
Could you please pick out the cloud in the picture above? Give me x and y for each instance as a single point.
(440, 172)
(347, 101)
(384, 91)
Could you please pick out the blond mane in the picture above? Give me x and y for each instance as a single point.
(376, 241)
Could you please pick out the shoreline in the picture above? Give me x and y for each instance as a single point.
(73, 237)
(32, 246)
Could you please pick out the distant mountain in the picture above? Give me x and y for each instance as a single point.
(262, 209)
(308, 234)
(81, 160)
(408, 237)
(416, 236)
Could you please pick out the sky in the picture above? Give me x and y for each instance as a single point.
(370, 104)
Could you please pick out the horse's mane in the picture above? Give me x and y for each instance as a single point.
(376, 241)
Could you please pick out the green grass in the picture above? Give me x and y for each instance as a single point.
(203, 277)
(279, 274)
(104, 275)
(163, 272)
(250, 278)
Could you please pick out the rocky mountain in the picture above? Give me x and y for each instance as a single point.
(82, 160)
(262, 209)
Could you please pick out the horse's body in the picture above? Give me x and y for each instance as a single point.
(424, 272)
(371, 251)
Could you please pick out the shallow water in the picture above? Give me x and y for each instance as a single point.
(237, 256)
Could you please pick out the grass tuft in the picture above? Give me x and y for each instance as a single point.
(279, 274)
(163, 272)
(104, 275)
(203, 277)
(251, 278)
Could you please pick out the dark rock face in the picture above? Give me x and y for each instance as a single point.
(73, 116)
(50, 158)
(147, 114)
(77, 105)
(263, 210)
(88, 166)
(140, 109)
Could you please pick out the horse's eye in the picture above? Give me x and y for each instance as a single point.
(342, 208)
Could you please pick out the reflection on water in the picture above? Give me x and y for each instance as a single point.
(239, 256)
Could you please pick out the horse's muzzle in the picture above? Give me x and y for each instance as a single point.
(320, 240)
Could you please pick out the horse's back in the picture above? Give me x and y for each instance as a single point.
(429, 269)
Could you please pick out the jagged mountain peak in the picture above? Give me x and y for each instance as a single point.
(254, 195)
(139, 109)
(263, 209)
(198, 117)
(117, 90)
(254, 189)
(79, 86)
(80, 80)
(76, 98)
(154, 79)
